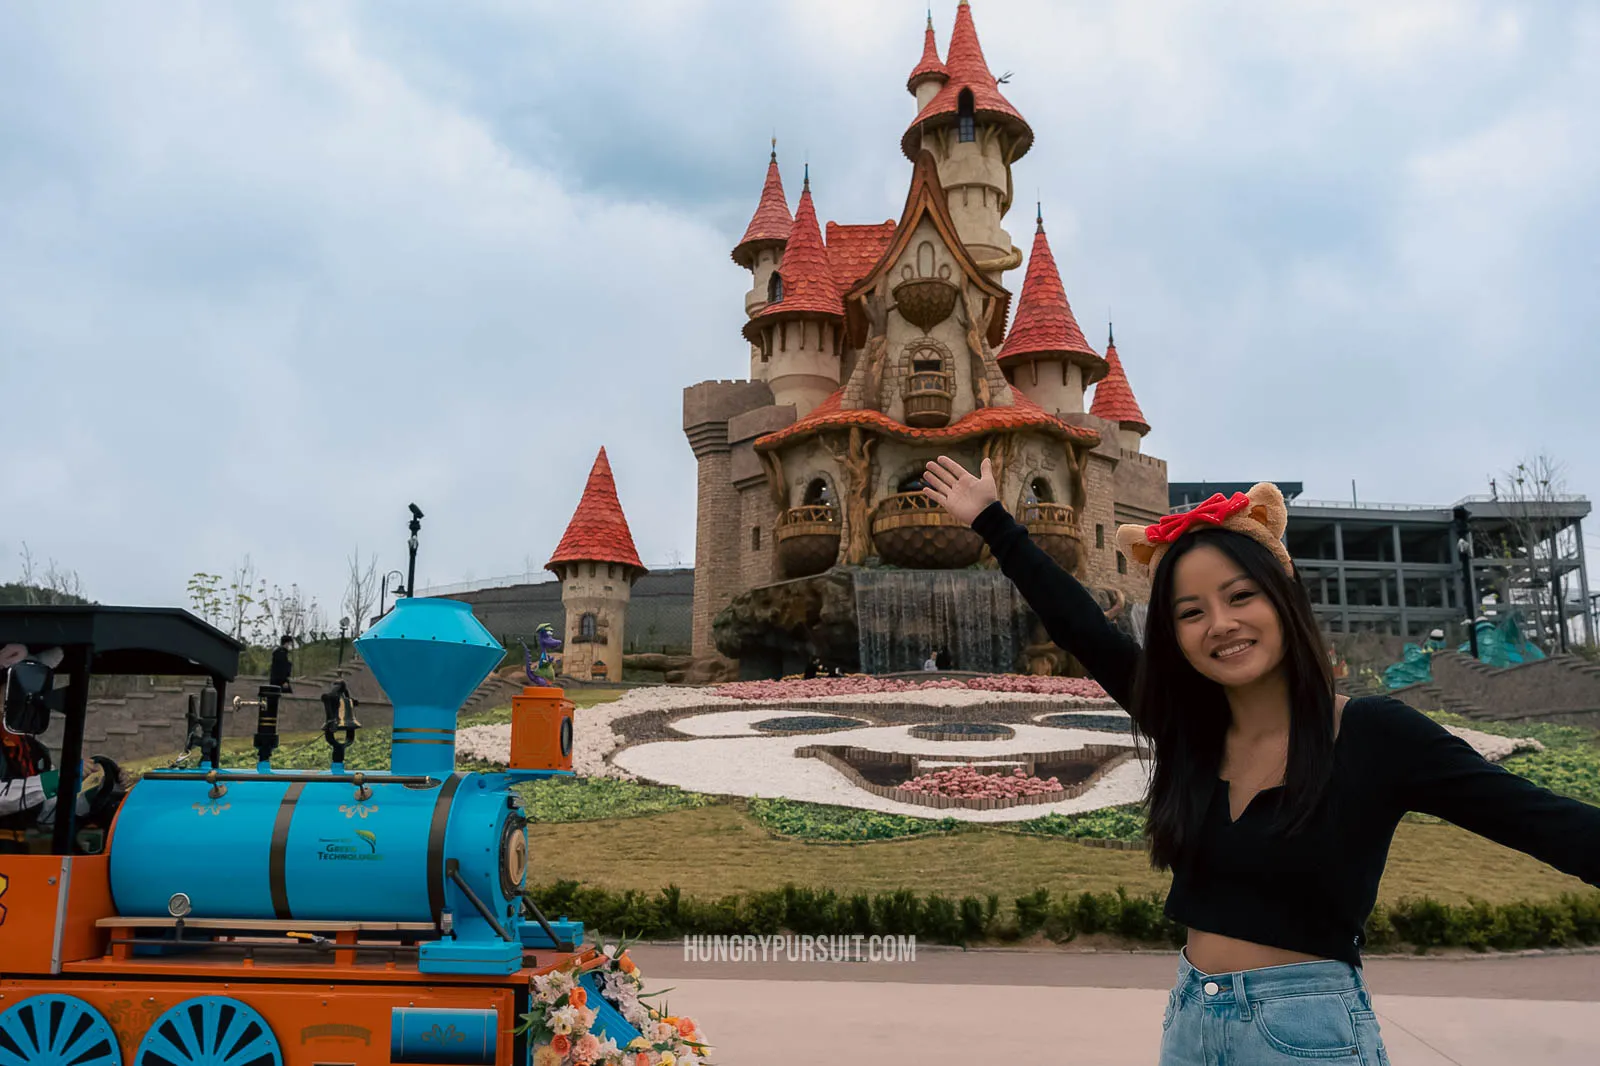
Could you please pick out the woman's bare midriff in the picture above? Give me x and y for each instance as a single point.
(1215, 953)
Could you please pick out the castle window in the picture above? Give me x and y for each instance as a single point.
(1099, 536)
(817, 494)
(755, 538)
(965, 124)
(588, 626)
(911, 483)
(1039, 490)
(775, 288)
(1122, 563)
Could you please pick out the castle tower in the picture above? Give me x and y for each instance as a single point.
(1114, 402)
(798, 333)
(760, 250)
(975, 135)
(1045, 354)
(929, 75)
(597, 565)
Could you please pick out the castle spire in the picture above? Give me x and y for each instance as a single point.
(1044, 325)
(967, 71)
(808, 284)
(598, 532)
(769, 226)
(930, 67)
(1113, 397)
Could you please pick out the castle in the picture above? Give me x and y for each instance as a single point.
(875, 348)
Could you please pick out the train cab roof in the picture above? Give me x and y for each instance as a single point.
(165, 641)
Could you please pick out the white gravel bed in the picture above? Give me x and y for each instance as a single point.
(1492, 747)
(766, 766)
(957, 697)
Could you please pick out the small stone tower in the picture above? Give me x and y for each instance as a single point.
(1045, 354)
(929, 75)
(1114, 402)
(597, 565)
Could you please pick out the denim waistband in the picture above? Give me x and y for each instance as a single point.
(1269, 982)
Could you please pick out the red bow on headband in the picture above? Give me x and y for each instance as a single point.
(1213, 512)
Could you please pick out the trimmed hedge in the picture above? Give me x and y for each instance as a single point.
(1418, 923)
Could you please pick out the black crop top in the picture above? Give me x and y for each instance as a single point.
(1311, 891)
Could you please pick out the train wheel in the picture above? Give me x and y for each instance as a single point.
(53, 1030)
(209, 1031)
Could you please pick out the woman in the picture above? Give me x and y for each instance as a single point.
(1272, 799)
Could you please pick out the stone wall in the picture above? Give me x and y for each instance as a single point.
(1561, 684)
(660, 611)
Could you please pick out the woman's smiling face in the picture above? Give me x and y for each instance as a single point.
(1226, 626)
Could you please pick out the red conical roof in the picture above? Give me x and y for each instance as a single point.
(930, 66)
(1044, 322)
(808, 284)
(598, 532)
(1113, 397)
(771, 222)
(967, 69)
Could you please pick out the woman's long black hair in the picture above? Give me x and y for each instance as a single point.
(1184, 715)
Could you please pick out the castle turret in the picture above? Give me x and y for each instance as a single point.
(760, 250)
(975, 134)
(799, 331)
(1045, 354)
(929, 75)
(1114, 402)
(597, 565)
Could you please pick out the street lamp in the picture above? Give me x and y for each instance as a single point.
(344, 626)
(383, 592)
(415, 527)
(1464, 552)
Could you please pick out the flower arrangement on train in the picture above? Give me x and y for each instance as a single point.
(561, 1021)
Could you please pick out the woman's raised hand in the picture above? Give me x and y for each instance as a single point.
(948, 484)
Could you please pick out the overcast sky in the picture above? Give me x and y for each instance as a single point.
(269, 272)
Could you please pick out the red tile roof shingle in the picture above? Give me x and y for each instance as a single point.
(1023, 414)
(930, 66)
(808, 285)
(771, 222)
(1044, 321)
(1113, 397)
(853, 250)
(968, 69)
(598, 532)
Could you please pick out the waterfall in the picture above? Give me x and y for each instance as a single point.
(903, 615)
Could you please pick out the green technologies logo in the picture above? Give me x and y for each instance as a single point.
(363, 847)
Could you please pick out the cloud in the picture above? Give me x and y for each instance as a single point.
(272, 272)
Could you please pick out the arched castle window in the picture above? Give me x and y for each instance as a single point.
(965, 124)
(587, 627)
(775, 288)
(1039, 491)
(912, 482)
(925, 259)
(817, 494)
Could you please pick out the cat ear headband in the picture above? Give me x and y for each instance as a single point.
(1259, 514)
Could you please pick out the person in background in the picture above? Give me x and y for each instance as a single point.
(281, 666)
(930, 664)
(812, 666)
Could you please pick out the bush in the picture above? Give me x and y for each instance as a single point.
(588, 799)
(1419, 923)
(1112, 823)
(817, 821)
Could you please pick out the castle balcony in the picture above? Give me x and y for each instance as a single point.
(1054, 527)
(929, 395)
(807, 539)
(910, 530)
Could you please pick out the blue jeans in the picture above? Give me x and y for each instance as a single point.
(1273, 1015)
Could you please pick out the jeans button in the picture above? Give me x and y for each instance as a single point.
(1211, 988)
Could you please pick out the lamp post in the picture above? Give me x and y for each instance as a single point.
(1464, 551)
(344, 626)
(383, 593)
(411, 571)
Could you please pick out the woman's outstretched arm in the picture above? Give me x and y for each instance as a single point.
(1438, 773)
(1070, 615)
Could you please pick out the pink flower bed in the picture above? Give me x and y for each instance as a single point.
(964, 782)
(861, 684)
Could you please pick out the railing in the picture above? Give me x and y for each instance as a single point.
(808, 514)
(929, 396)
(908, 503)
(1048, 514)
(922, 382)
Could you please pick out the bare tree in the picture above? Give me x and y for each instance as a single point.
(1539, 540)
(287, 613)
(241, 600)
(361, 590)
(55, 585)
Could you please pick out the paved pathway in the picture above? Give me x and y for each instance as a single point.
(1103, 1009)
